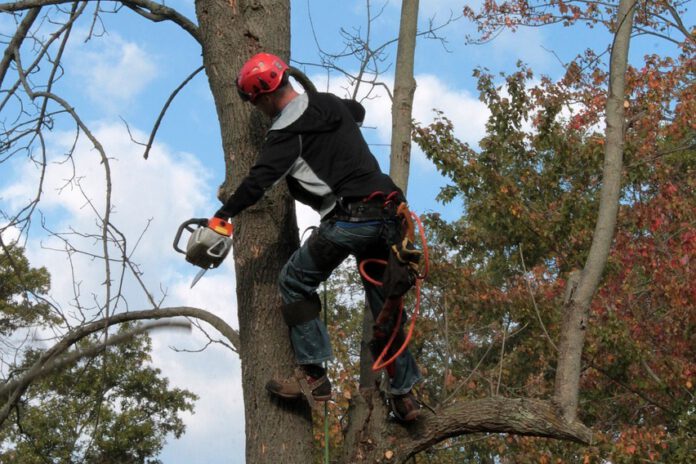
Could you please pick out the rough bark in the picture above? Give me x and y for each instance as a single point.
(521, 416)
(374, 439)
(266, 234)
(230, 31)
(404, 88)
(567, 382)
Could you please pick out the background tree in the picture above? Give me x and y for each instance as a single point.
(404, 88)
(530, 198)
(107, 409)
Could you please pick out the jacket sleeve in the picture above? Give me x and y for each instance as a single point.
(278, 154)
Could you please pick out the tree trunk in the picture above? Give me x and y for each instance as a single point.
(266, 234)
(404, 88)
(570, 348)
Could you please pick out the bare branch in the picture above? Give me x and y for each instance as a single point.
(147, 8)
(164, 110)
(17, 40)
(502, 357)
(570, 347)
(534, 303)
(87, 329)
(679, 24)
(90, 351)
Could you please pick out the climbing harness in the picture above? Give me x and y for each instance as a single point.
(402, 273)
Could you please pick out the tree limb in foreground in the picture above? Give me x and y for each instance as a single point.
(96, 326)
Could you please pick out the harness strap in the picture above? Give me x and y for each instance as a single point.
(305, 388)
(375, 207)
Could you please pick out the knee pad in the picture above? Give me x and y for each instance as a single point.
(302, 311)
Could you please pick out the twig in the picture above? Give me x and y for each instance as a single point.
(502, 357)
(534, 303)
(87, 329)
(166, 106)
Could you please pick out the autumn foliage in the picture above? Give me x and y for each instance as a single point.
(500, 273)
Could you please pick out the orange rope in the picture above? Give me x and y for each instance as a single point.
(379, 362)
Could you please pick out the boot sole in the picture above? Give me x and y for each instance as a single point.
(410, 417)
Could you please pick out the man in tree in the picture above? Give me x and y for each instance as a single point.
(315, 144)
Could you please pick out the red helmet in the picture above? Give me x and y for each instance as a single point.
(262, 73)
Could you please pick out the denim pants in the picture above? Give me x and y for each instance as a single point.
(301, 276)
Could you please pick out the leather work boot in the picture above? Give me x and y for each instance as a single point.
(300, 384)
(405, 407)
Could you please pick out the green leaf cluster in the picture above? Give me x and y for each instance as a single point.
(21, 290)
(531, 188)
(113, 408)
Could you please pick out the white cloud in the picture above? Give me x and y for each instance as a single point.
(157, 194)
(467, 113)
(10, 235)
(114, 71)
(166, 189)
(217, 424)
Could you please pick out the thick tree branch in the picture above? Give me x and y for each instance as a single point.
(90, 351)
(17, 40)
(520, 416)
(570, 347)
(404, 90)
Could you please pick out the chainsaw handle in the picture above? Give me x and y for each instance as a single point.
(187, 225)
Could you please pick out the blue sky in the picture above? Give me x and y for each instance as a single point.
(129, 72)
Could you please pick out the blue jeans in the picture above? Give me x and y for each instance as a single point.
(302, 275)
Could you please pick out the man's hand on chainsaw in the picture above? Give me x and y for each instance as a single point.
(221, 214)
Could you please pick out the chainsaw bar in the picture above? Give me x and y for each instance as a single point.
(200, 274)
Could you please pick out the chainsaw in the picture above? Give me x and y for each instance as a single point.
(208, 245)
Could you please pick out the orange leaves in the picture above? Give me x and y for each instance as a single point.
(450, 380)
(645, 443)
(562, 7)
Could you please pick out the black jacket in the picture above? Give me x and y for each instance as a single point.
(316, 145)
